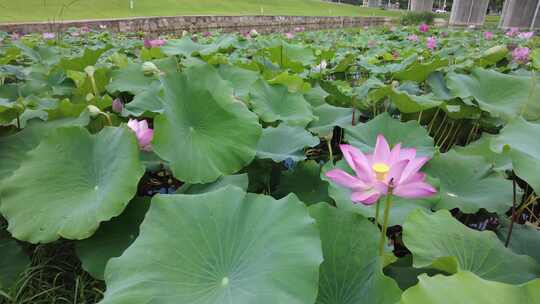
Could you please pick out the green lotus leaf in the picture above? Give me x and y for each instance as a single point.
(519, 139)
(13, 262)
(13, 148)
(440, 241)
(465, 287)
(285, 142)
(405, 102)
(145, 101)
(184, 46)
(525, 239)
(240, 180)
(112, 238)
(316, 96)
(492, 55)
(468, 182)
(406, 276)
(409, 134)
(130, 79)
(502, 95)
(227, 248)
(292, 56)
(437, 84)
(239, 79)
(352, 269)
(294, 83)
(70, 183)
(275, 103)
(482, 147)
(419, 71)
(330, 117)
(305, 182)
(203, 133)
(88, 57)
(401, 208)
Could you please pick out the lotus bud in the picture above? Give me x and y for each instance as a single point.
(149, 69)
(90, 70)
(117, 106)
(94, 111)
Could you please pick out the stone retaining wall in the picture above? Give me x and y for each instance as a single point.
(203, 23)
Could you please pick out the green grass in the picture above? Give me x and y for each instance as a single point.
(54, 10)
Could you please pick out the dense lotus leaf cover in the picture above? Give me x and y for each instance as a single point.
(239, 137)
(222, 251)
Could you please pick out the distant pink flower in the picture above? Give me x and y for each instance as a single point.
(512, 32)
(372, 43)
(374, 173)
(521, 54)
(207, 34)
(117, 106)
(526, 35)
(488, 35)
(444, 34)
(49, 36)
(75, 34)
(431, 43)
(15, 36)
(289, 35)
(154, 43)
(143, 132)
(300, 29)
(85, 29)
(413, 38)
(253, 33)
(395, 55)
(424, 28)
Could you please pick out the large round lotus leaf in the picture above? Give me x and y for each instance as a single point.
(525, 239)
(304, 181)
(502, 95)
(275, 103)
(419, 71)
(409, 134)
(13, 262)
(467, 182)
(224, 246)
(401, 208)
(328, 117)
(240, 79)
(112, 238)
(203, 132)
(352, 271)
(13, 148)
(482, 147)
(240, 180)
(465, 288)
(285, 142)
(404, 101)
(130, 79)
(70, 183)
(520, 139)
(440, 241)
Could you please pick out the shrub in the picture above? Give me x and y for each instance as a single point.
(414, 18)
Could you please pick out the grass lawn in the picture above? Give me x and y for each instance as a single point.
(49, 10)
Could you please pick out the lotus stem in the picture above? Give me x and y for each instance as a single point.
(377, 211)
(386, 217)
(513, 218)
(432, 122)
(330, 151)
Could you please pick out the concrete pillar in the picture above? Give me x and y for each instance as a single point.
(523, 14)
(374, 3)
(469, 12)
(421, 5)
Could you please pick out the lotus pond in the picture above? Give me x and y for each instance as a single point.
(390, 165)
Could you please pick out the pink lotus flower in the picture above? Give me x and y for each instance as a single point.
(375, 172)
(299, 29)
(49, 36)
(521, 54)
(488, 35)
(117, 106)
(412, 38)
(143, 132)
(253, 33)
(289, 35)
(424, 28)
(512, 32)
(154, 43)
(15, 36)
(85, 29)
(207, 34)
(431, 43)
(526, 35)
